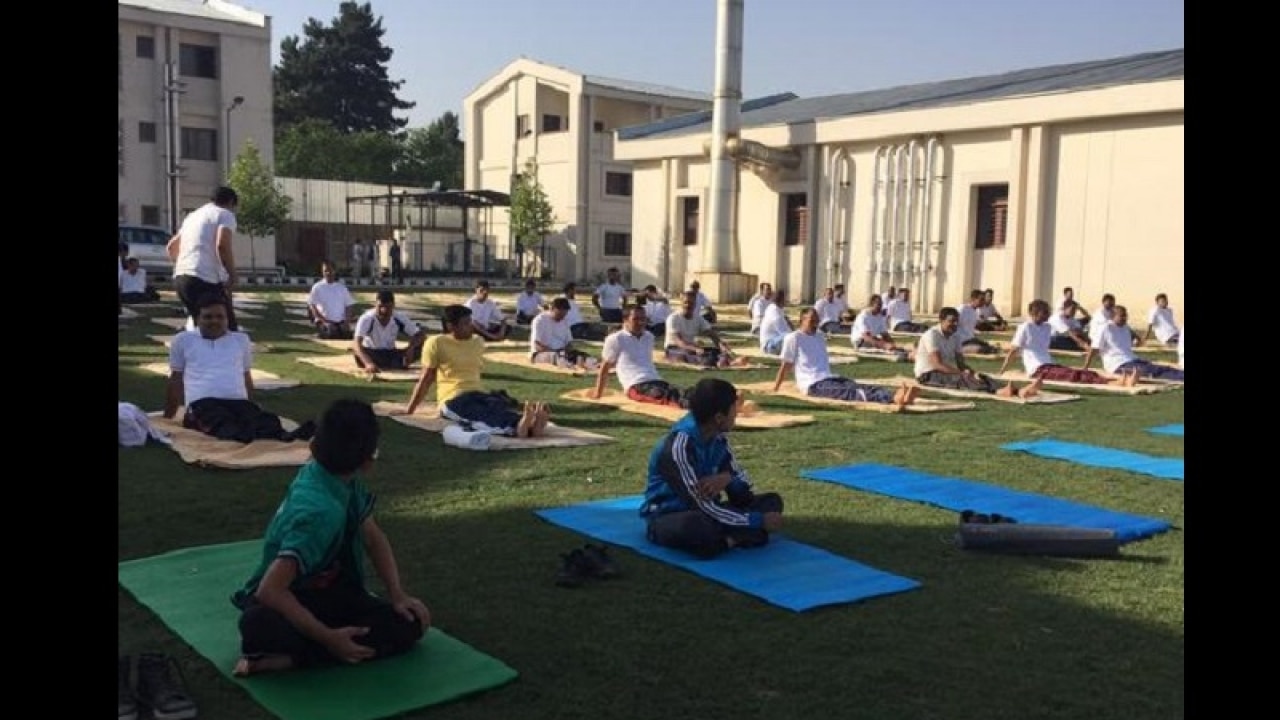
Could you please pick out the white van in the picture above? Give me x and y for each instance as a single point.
(147, 243)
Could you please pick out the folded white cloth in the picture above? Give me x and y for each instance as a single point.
(456, 436)
(136, 428)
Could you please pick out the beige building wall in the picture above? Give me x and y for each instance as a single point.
(240, 42)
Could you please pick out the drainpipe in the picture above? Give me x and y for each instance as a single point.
(718, 254)
(877, 189)
(909, 219)
(933, 152)
(173, 169)
(839, 176)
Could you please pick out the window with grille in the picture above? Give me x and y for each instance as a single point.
(200, 144)
(146, 132)
(795, 208)
(617, 244)
(198, 61)
(553, 123)
(993, 215)
(617, 183)
(689, 220)
(150, 214)
(145, 47)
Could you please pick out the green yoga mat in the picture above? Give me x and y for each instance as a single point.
(190, 590)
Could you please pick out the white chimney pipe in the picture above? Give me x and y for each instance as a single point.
(718, 254)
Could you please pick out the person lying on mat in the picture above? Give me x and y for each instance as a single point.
(697, 498)
(610, 297)
(805, 351)
(831, 310)
(306, 604)
(1068, 332)
(487, 319)
(870, 330)
(529, 303)
(898, 311)
(757, 304)
(455, 359)
(377, 330)
(967, 330)
(775, 325)
(1160, 323)
(682, 331)
(1114, 342)
(210, 372)
(630, 350)
(330, 304)
(988, 317)
(551, 341)
(1031, 339)
(134, 287)
(940, 362)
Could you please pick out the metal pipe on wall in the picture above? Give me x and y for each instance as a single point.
(908, 224)
(838, 178)
(873, 240)
(889, 230)
(932, 177)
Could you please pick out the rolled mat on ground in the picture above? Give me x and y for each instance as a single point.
(957, 494)
(1102, 457)
(785, 572)
(190, 591)
(427, 417)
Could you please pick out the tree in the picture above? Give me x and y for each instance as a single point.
(532, 218)
(337, 73)
(262, 205)
(315, 149)
(432, 154)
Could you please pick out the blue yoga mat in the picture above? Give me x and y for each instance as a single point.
(1095, 456)
(1167, 430)
(956, 494)
(785, 573)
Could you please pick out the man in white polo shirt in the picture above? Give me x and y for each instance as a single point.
(210, 374)
(805, 351)
(830, 311)
(940, 362)
(1160, 322)
(682, 331)
(630, 350)
(1114, 342)
(528, 303)
(330, 304)
(967, 329)
(1031, 339)
(774, 325)
(202, 256)
(898, 311)
(656, 309)
(610, 297)
(870, 332)
(486, 318)
(376, 332)
(551, 340)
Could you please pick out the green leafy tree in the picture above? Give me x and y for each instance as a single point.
(532, 218)
(432, 154)
(262, 206)
(315, 149)
(338, 73)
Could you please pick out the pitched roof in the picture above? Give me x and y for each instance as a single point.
(208, 9)
(647, 88)
(1145, 67)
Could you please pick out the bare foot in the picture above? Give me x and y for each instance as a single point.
(748, 408)
(541, 416)
(1130, 379)
(1006, 391)
(905, 395)
(527, 420)
(267, 663)
(1031, 390)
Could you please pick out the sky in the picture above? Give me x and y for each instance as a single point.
(443, 50)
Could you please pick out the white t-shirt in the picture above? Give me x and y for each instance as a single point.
(376, 336)
(134, 282)
(986, 312)
(211, 368)
(774, 324)
(198, 246)
(968, 328)
(1098, 319)
(933, 341)
(756, 306)
(657, 312)
(1063, 324)
(868, 323)
(632, 357)
(333, 299)
(552, 334)
(1161, 322)
(529, 304)
(1115, 345)
(483, 313)
(828, 310)
(574, 316)
(808, 354)
(119, 273)
(611, 295)
(700, 301)
(687, 329)
(898, 311)
(1033, 341)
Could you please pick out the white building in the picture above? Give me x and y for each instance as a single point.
(565, 120)
(194, 83)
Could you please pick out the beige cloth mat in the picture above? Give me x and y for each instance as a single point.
(833, 359)
(660, 358)
(427, 417)
(180, 323)
(262, 380)
(346, 365)
(1144, 387)
(521, 359)
(921, 405)
(613, 398)
(1043, 398)
(199, 449)
(340, 344)
(128, 313)
(167, 341)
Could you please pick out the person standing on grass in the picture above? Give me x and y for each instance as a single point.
(697, 497)
(202, 254)
(306, 604)
(397, 264)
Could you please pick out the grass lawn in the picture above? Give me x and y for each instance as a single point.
(985, 636)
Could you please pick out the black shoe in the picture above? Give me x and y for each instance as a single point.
(577, 568)
(305, 431)
(158, 690)
(598, 561)
(126, 703)
(969, 516)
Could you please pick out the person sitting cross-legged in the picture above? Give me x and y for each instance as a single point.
(1160, 323)
(1114, 342)
(1032, 339)
(630, 350)
(210, 372)
(528, 303)
(940, 362)
(455, 359)
(486, 317)
(1068, 332)
(805, 351)
(898, 311)
(306, 604)
(330, 304)
(967, 327)
(831, 310)
(775, 325)
(374, 344)
(757, 304)
(551, 339)
(871, 330)
(682, 331)
(134, 287)
(990, 319)
(697, 498)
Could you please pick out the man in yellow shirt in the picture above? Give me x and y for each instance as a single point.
(454, 360)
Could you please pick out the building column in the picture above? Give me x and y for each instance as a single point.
(1026, 217)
